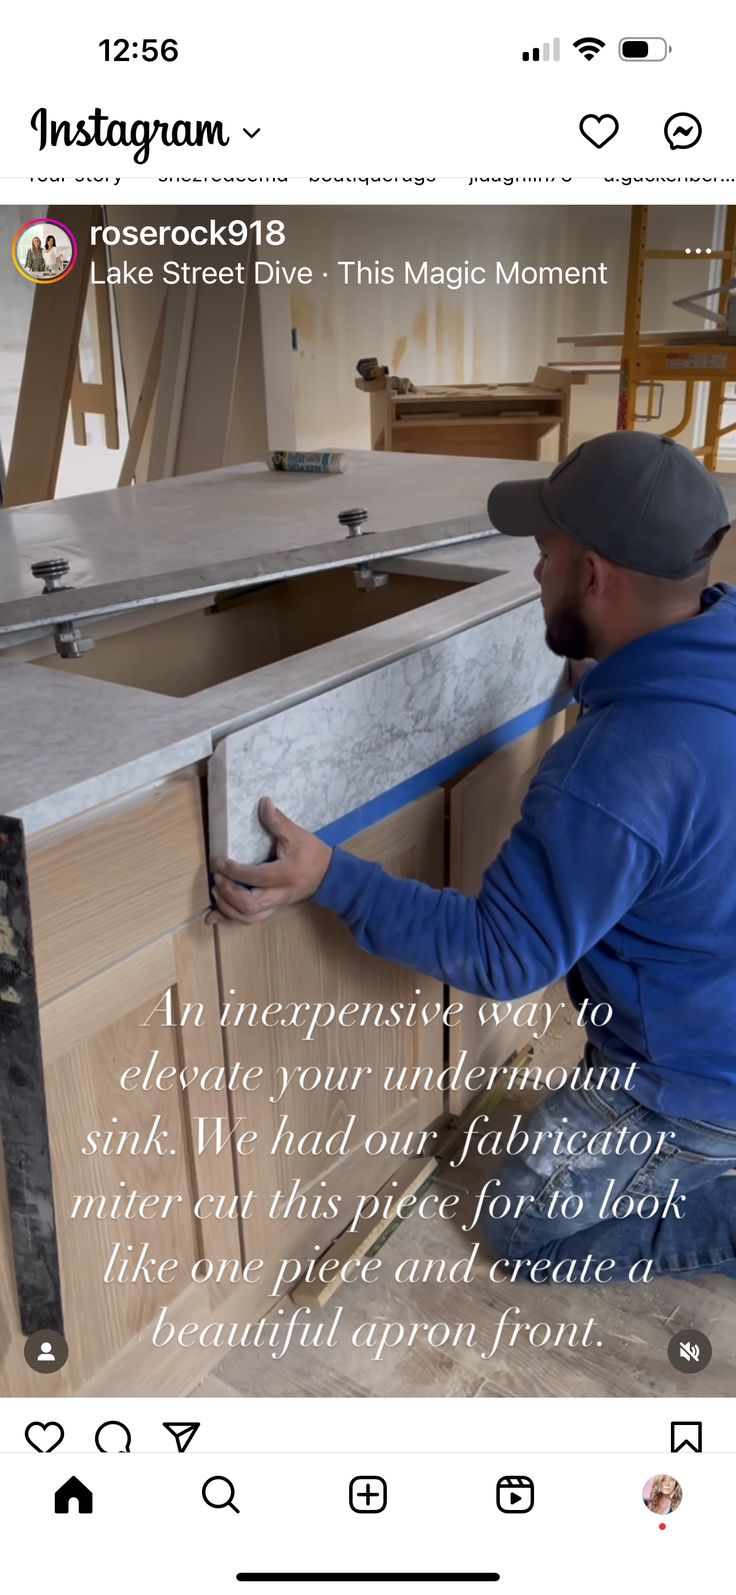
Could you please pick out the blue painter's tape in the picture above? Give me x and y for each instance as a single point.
(379, 808)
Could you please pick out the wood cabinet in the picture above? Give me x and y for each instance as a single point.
(484, 806)
(118, 920)
(505, 420)
(118, 903)
(308, 953)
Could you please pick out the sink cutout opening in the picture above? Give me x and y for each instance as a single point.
(240, 632)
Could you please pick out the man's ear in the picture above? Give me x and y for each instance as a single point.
(597, 574)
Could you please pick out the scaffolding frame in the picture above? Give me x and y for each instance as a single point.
(651, 359)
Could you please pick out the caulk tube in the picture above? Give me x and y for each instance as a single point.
(317, 462)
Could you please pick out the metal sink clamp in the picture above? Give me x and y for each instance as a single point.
(366, 579)
(68, 639)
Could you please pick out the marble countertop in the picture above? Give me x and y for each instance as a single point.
(218, 515)
(72, 742)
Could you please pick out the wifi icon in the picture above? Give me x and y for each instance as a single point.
(589, 47)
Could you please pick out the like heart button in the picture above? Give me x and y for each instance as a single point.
(44, 1436)
(599, 130)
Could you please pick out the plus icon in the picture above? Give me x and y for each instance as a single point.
(368, 1494)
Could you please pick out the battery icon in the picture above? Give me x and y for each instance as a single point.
(644, 49)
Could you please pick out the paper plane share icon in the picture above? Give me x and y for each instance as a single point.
(183, 1434)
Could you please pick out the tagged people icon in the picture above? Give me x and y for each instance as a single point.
(46, 1351)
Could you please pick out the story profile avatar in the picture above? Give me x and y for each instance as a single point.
(44, 250)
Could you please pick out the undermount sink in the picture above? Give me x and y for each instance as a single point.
(237, 633)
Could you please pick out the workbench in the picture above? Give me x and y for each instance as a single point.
(493, 420)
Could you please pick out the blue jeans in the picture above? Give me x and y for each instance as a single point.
(688, 1237)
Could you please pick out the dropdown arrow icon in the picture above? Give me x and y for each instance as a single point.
(248, 131)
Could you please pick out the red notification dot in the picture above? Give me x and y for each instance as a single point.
(663, 1525)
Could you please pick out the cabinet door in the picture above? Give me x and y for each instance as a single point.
(118, 910)
(484, 806)
(89, 1036)
(307, 955)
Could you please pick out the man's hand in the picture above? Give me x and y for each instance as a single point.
(300, 866)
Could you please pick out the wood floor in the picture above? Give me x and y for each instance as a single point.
(633, 1322)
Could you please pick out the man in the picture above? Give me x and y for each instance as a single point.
(621, 872)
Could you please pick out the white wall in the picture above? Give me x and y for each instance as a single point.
(483, 334)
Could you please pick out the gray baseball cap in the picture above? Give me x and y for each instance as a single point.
(640, 500)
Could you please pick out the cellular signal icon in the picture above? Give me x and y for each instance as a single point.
(547, 52)
(590, 48)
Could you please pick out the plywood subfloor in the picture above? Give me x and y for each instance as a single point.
(634, 1323)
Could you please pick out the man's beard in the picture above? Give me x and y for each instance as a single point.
(567, 633)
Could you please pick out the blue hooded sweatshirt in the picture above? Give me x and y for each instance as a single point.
(621, 872)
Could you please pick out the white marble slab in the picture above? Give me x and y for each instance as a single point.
(72, 742)
(276, 686)
(169, 525)
(69, 743)
(325, 757)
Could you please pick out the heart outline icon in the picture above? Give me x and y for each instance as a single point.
(43, 1427)
(590, 123)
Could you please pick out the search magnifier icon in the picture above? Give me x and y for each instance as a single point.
(218, 1492)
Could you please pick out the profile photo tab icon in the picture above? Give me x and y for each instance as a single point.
(662, 1494)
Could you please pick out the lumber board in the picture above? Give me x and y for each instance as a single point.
(666, 340)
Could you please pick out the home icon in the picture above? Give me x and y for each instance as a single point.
(73, 1490)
